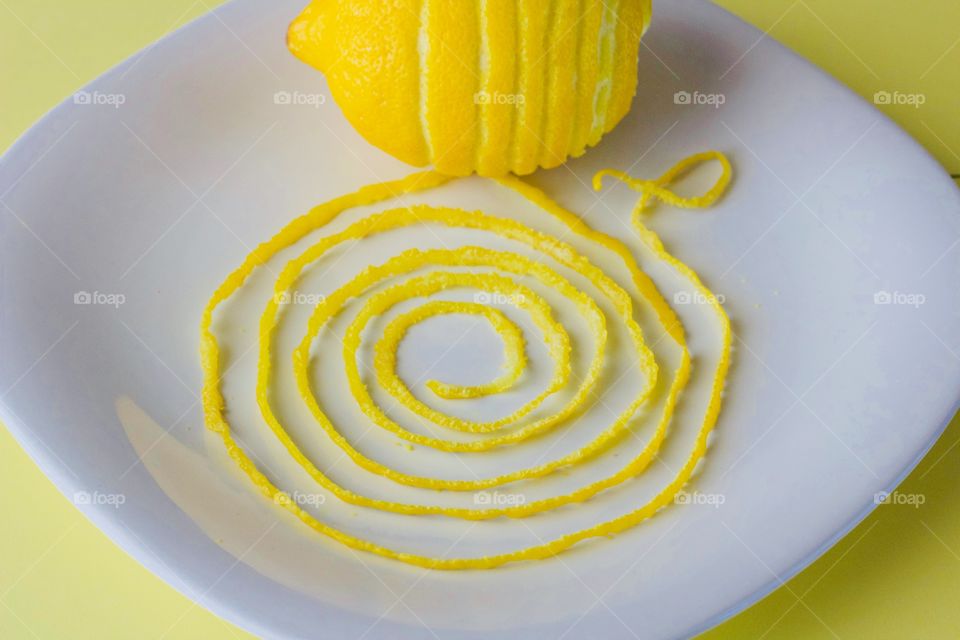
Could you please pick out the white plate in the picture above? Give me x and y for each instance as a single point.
(832, 397)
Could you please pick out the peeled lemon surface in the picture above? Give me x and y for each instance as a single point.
(477, 86)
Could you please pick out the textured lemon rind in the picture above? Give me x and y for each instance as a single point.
(477, 86)
(214, 405)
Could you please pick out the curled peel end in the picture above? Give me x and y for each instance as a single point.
(598, 179)
(603, 173)
(658, 189)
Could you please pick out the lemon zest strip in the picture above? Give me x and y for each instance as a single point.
(214, 405)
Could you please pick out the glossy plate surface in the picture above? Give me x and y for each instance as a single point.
(834, 251)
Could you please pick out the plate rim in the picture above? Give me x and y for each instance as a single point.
(22, 148)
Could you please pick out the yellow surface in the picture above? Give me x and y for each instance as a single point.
(493, 284)
(476, 86)
(895, 576)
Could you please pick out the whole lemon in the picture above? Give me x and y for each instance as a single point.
(477, 86)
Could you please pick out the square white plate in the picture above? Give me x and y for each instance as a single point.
(834, 250)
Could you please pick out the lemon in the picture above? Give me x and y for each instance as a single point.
(486, 86)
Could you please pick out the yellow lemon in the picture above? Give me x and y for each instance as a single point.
(486, 86)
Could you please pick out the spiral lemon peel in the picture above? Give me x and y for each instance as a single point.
(467, 256)
(515, 357)
(214, 403)
(558, 344)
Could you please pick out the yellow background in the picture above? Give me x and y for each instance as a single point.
(896, 576)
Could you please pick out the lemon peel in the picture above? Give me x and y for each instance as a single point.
(477, 86)
(558, 344)
(656, 189)
(515, 358)
(214, 404)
